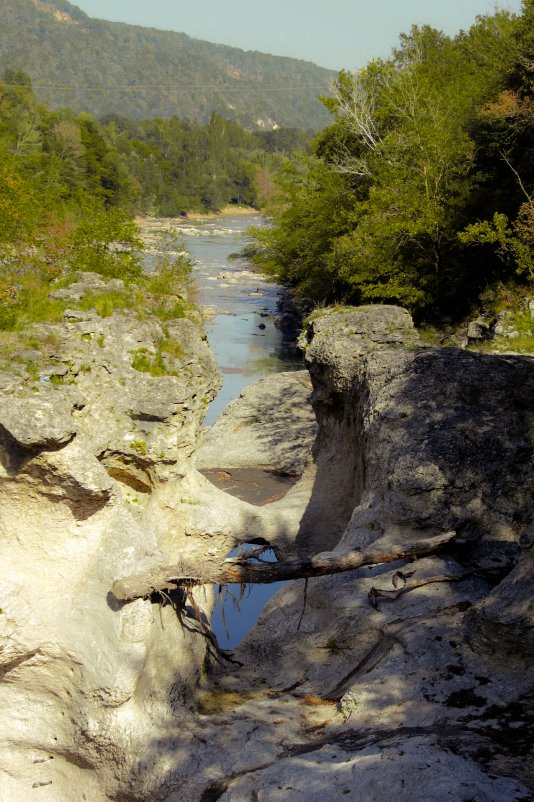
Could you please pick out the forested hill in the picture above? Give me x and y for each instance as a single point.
(108, 67)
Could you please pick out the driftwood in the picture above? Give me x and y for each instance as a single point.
(242, 570)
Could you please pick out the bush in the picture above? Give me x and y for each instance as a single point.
(106, 241)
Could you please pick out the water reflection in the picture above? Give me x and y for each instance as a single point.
(239, 613)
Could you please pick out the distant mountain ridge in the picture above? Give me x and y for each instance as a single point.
(106, 67)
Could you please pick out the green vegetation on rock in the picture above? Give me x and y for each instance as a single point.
(66, 205)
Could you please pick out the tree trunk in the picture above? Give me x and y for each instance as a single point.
(242, 571)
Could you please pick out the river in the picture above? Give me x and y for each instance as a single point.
(240, 305)
(241, 309)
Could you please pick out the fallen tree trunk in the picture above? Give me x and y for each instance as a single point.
(242, 571)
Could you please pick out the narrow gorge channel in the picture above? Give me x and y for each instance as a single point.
(241, 309)
(240, 305)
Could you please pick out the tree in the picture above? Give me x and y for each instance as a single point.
(18, 212)
(403, 154)
(313, 208)
(101, 163)
(504, 132)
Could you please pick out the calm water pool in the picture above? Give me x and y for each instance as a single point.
(241, 613)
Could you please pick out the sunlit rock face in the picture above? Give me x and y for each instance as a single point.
(271, 424)
(94, 454)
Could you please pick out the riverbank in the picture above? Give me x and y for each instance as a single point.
(226, 211)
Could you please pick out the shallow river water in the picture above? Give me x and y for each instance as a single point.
(241, 305)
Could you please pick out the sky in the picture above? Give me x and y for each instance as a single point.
(338, 34)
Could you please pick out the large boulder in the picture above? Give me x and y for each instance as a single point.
(438, 437)
(270, 424)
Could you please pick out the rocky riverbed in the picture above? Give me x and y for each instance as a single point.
(410, 680)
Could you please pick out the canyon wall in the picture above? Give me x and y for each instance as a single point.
(349, 684)
(94, 454)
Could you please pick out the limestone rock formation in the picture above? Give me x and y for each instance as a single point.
(444, 435)
(409, 680)
(93, 455)
(271, 423)
(433, 682)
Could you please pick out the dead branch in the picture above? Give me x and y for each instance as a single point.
(375, 593)
(241, 571)
(505, 158)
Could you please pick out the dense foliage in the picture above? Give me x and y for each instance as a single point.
(70, 185)
(112, 68)
(176, 166)
(420, 191)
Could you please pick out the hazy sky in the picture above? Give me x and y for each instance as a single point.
(332, 33)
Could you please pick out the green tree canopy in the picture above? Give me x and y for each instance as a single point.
(412, 157)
